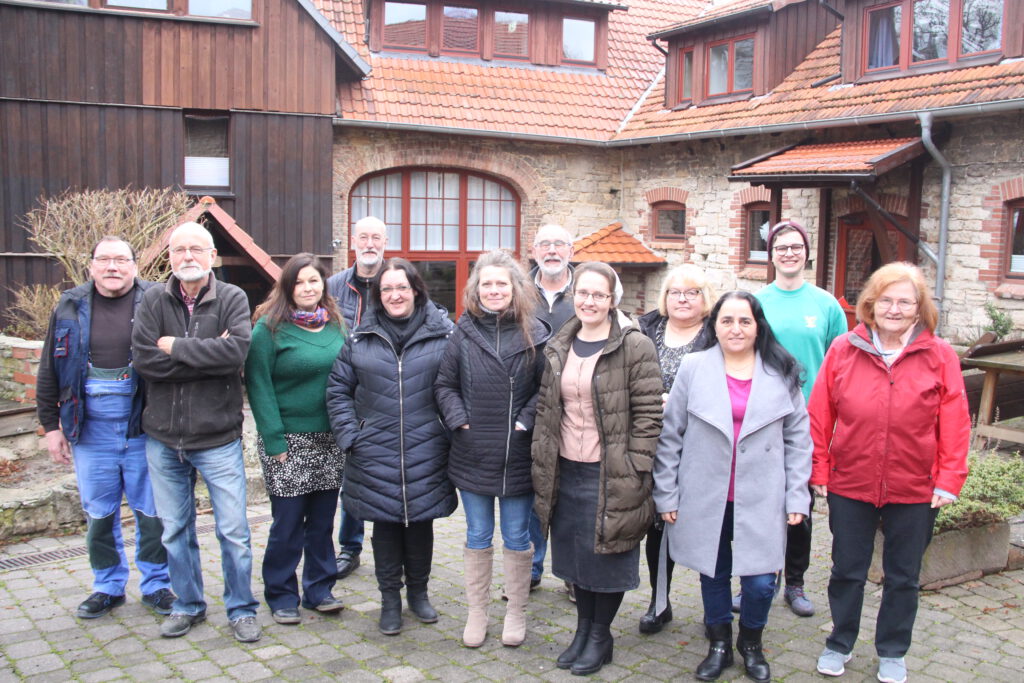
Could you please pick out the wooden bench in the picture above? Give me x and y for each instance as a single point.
(1004, 371)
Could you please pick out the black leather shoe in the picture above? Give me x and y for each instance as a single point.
(719, 652)
(287, 615)
(652, 623)
(348, 562)
(419, 604)
(98, 604)
(749, 645)
(596, 652)
(328, 604)
(572, 653)
(390, 623)
(160, 601)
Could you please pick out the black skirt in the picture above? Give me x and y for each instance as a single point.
(573, 535)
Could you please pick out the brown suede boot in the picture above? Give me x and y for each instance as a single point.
(518, 564)
(478, 594)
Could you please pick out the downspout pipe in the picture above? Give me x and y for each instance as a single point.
(947, 184)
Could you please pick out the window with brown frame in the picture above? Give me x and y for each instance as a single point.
(756, 220)
(1015, 258)
(668, 221)
(579, 40)
(907, 33)
(685, 76)
(730, 66)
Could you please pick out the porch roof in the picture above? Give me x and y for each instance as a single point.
(832, 162)
(612, 244)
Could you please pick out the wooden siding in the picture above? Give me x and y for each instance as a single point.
(283, 62)
(792, 34)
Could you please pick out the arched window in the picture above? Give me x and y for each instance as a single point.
(756, 221)
(668, 220)
(440, 220)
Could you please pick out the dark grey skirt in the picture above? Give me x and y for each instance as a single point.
(572, 535)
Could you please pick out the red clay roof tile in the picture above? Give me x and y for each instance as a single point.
(612, 244)
(841, 157)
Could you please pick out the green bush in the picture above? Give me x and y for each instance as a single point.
(993, 492)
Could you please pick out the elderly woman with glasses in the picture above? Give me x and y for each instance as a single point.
(891, 431)
(598, 420)
(684, 303)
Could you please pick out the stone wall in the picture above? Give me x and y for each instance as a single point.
(19, 363)
(588, 187)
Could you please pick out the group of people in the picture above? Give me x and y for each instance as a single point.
(706, 426)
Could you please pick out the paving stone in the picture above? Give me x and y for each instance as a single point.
(29, 666)
(102, 675)
(249, 671)
(198, 671)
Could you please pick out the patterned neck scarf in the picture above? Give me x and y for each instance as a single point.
(311, 319)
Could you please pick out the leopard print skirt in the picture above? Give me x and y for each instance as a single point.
(314, 463)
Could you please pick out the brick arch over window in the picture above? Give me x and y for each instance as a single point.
(1002, 202)
(898, 205)
(666, 194)
(513, 170)
(758, 193)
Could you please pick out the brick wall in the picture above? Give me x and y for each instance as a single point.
(19, 363)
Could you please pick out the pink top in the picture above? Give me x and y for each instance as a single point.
(580, 439)
(739, 392)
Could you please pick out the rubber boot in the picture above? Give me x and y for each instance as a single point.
(478, 563)
(748, 643)
(596, 652)
(518, 568)
(572, 653)
(390, 623)
(719, 652)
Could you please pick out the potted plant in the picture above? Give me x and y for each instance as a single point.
(972, 536)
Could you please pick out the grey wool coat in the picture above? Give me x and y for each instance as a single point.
(693, 462)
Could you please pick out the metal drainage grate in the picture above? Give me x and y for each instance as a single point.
(36, 559)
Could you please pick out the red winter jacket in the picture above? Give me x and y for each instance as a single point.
(889, 435)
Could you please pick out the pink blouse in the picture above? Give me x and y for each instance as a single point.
(739, 392)
(581, 440)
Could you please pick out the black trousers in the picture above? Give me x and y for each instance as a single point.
(399, 549)
(907, 530)
(303, 527)
(798, 549)
(652, 549)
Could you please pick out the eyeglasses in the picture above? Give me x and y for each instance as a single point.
(120, 261)
(905, 305)
(781, 249)
(598, 297)
(547, 244)
(401, 289)
(195, 251)
(367, 237)
(688, 294)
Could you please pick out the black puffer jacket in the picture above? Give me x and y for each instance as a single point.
(491, 390)
(381, 407)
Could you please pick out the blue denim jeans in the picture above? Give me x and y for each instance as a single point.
(174, 481)
(515, 520)
(350, 531)
(540, 546)
(109, 465)
(758, 590)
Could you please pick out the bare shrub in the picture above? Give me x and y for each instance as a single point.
(30, 312)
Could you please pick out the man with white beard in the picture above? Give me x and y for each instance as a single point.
(350, 289)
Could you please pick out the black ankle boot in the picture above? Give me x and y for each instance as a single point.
(596, 652)
(419, 604)
(651, 623)
(719, 652)
(390, 623)
(749, 645)
(572, 653)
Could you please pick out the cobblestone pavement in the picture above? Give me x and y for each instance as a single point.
(974, 631)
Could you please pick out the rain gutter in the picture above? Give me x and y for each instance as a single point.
(947, 183)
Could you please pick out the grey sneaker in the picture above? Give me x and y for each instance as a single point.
(832, 663)
(892, 670)
(798, 602)
(178, 624)
(246, 629)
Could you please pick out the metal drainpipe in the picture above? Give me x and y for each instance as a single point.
(947, 182)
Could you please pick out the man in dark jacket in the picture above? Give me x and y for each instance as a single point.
(190, 340)
(552, 250)
(351, 288)
(89, 401)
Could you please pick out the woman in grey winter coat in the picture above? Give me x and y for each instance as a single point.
(380, 399)
(731, 471)
(487, 390)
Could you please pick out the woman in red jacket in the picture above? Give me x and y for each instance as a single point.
(891, 431)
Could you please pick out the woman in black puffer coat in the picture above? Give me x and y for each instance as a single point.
(487, 390)
(380, 400)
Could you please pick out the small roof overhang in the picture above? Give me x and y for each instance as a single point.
(828, 163)
(614, 246)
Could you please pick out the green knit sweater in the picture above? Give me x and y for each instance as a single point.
(286, 377)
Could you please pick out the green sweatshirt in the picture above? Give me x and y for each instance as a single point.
(286, 377)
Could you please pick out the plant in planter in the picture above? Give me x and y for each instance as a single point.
(972, 536)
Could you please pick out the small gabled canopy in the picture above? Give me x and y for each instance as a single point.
(239, 238)
(613, 245)
(720, 13)
(346, 52)
(837, 162)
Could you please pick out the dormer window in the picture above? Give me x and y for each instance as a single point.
(909, 33)
(731, 66)
(508, 30)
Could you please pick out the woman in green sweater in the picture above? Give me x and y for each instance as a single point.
(297, 335)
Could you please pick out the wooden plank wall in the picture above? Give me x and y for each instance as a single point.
(793, 34)
(283, 62)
